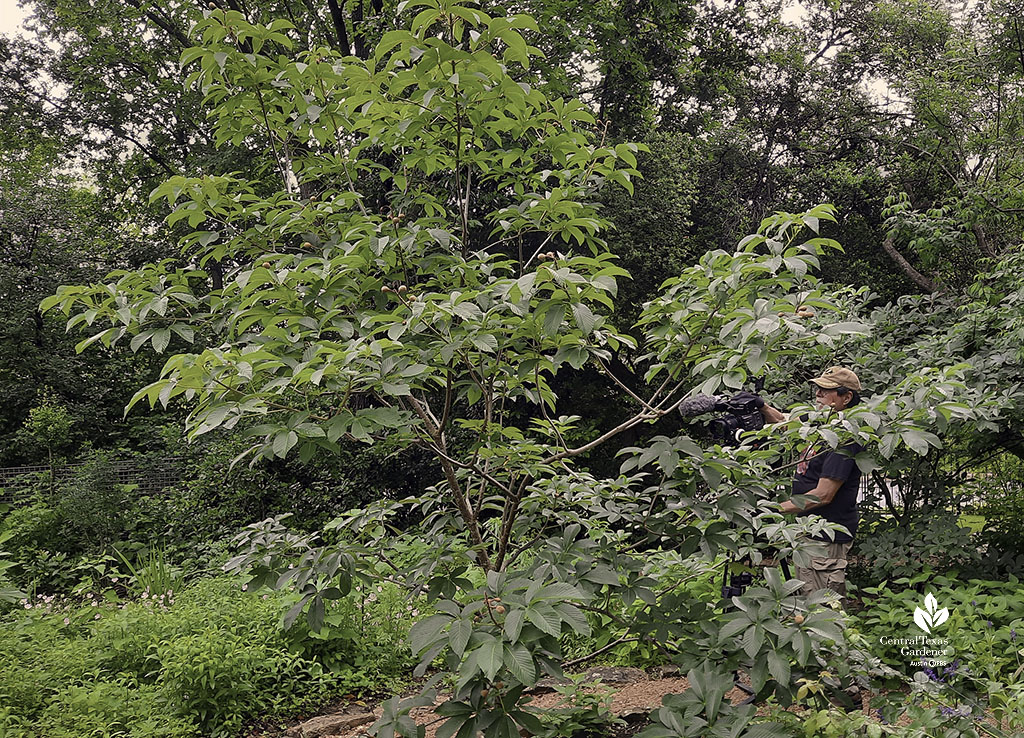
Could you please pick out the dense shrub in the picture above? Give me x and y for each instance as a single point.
(197, 662)
(925, 541)
(64, 536)
(985, 627)
(215, 498)
(999, 492)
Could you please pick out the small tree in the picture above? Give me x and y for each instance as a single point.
(431, 261)
(49, 423)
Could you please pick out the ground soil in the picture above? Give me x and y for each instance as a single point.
(632, 701)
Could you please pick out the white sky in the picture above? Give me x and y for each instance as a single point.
(11, 17)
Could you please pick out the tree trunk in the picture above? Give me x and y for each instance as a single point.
(339, 26)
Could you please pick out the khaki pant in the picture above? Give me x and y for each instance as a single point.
(827, 572)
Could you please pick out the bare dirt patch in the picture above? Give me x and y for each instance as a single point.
(631, 699)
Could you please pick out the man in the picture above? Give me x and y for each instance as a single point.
(832, 479)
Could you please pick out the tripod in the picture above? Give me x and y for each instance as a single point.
(734, 585)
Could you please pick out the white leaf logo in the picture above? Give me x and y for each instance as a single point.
(931, 616)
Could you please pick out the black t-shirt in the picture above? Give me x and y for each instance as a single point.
(838, 464)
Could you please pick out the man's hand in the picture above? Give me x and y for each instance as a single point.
(771, 415)
(825, 492)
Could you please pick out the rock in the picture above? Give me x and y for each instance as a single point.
(548, 684)
(662, 672)
(326, 725)
(615, 675)
(636, 715)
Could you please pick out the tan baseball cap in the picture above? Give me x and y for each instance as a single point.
(837, 376)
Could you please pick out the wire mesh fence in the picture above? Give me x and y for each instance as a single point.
(146, 476)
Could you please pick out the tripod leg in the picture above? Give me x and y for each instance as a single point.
(752, 696)
(784, 564)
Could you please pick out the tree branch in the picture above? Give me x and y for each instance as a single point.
(919, 279)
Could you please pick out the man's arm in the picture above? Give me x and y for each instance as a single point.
(825, 492)
(771, 415)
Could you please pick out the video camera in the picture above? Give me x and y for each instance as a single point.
(741, 414)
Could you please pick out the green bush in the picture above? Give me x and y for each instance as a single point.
(985, 626)
(218, 676)
(115, 708)
(363, 641)
(93, 508)
(1000, 491)
(33, 528)
(929, 540)
(314, 491)
(197, 662)
(584, 712)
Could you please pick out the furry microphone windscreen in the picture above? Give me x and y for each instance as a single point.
(698, 405)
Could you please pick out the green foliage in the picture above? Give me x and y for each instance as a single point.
(54, 231)
(985, 625)
(8, 593)
(585, 711)
(703, 709)
(431, 261)
(928, 541)
(153, 575)
(93, 506)
(942, 242)
(984, 662)
(999, 488)
(221, 675)
(66, 538)
(49, 423)
(196, 664)
(105, 709)
(205, 508)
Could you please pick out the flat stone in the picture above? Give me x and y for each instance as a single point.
(548, 684)
(326, 725)
(663, 672)
(615, 675)
(636, 714)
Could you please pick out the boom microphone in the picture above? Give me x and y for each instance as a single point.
(699, 405)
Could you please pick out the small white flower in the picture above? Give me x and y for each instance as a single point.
(145, 595)
(371, 598)
(380, 589)
(415, 613)
(67, 621)
(245, 587)
(97, 616)
(95, 604)
(28, 606)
